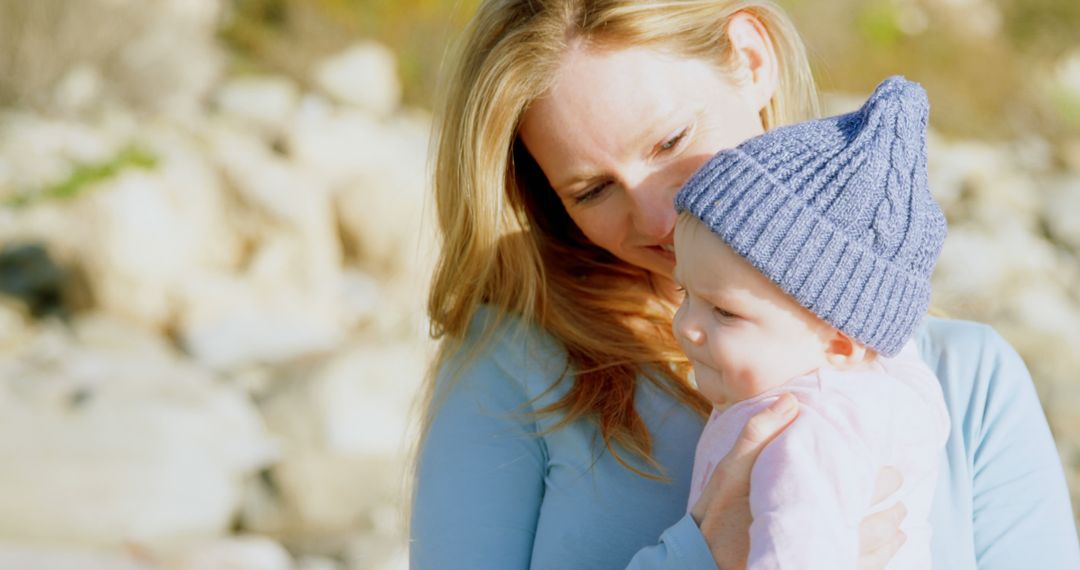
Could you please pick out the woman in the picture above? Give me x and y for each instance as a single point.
(560, 429)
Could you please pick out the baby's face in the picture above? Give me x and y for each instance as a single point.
(743, 334)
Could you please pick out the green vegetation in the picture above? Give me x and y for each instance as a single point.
(85, 176)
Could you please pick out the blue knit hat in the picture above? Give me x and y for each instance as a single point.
(835, 211)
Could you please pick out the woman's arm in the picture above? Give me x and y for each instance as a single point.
(480, 476)
(480, 486)
(1021, 509)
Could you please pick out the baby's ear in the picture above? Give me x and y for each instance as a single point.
(842, 351)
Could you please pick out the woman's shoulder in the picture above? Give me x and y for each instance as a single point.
(975, 365)
(955, 345)
(503, 352)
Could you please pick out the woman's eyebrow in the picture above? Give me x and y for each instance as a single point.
(645, 139)
(577, 179)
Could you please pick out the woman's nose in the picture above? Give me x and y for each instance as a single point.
(653, 210)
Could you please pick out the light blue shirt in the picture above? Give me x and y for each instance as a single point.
(493, 494)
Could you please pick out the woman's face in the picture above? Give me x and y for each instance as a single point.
(621, 130)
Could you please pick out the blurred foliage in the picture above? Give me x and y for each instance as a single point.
(287, 36)
(84, 176)
(987, 64)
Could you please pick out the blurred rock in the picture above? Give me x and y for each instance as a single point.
(364, 76)
(80, 90)
(1061, 210)
(981, 183)
(264, 103)
(340, 147)
(342, 423)
(126, 447)
(155, 74)
(233, 322)
(37, 152)
(237, 553)
(361, 298)
(979, 269)
(14, 327)
(316, 563)
(106, 332)
(66, 557)
(382, 212)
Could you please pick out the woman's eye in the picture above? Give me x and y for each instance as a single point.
(674, 141)
(592, 193)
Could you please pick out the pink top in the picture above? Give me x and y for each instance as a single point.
(812, 486)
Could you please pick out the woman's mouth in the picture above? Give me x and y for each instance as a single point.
(666, 250)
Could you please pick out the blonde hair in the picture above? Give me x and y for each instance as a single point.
(507, 241)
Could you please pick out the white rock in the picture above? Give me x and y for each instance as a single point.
(263, 102)
(341, 147)
(79, 90)
(40, 152)
(285, 301)
(364, 75)
(316, 563)
(363, 397)
(1067, 72)
(343, 426)
(377, 552)
(100, 331)
(138, 247)
(234, 553)
(327, 495)
(138, 235)
(1061, 210)
(155, 75)
(984, 183)
(229, 323)
(14, 326)
(978, 269)
(125, 448)
(355, 402)
(1046, 307)
(361, 298)
(385, 214)
(68, 557)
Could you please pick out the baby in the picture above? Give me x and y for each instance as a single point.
(806, 254)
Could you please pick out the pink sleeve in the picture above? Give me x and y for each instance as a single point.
(809, 490)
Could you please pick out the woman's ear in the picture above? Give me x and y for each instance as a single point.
(757, 69)
(842, 351)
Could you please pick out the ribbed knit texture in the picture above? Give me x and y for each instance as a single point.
(835, 211)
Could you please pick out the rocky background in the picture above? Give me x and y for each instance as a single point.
(212, 278)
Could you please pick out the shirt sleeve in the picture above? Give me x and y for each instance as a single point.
(808, 492)
(480, 475)
(681, 547)
(1021, 509)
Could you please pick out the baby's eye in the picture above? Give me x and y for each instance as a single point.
(723, 314)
